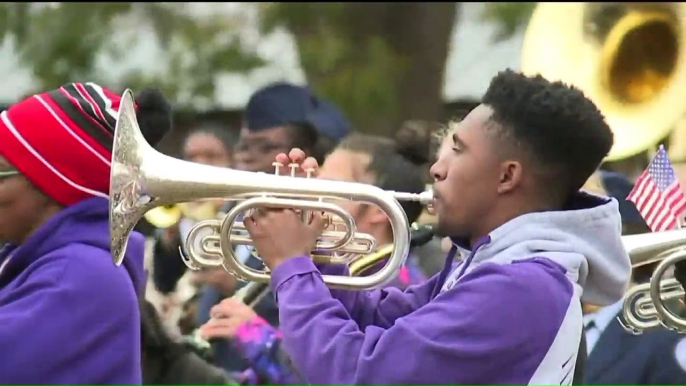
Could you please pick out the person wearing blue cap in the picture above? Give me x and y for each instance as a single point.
(282, 116)
(277, 117)
(615, 356)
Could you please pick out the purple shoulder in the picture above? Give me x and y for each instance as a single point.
(511, 298)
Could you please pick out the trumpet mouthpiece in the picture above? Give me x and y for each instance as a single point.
(425, 198)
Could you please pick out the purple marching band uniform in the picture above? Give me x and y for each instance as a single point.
(510, 313)
(260, 342)
(47, 286)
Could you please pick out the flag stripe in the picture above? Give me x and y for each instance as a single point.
(658, 195)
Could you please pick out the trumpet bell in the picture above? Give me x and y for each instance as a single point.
(629, 58)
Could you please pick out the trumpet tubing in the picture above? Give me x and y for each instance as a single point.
(668, 318)
(650, 248)
(638, 310)
(644, 305)
(143, 179)
(203, 244)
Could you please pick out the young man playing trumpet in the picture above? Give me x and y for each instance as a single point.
(507, 193)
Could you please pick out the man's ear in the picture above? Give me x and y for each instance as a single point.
(510, 176)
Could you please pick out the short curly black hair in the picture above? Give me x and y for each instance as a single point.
(561, 131)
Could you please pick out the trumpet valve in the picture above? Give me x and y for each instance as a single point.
(294, 167)
(309, 172)
(277, 168)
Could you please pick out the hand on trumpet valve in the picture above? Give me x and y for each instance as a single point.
(299, 164)
(226, 318)
(279, 234)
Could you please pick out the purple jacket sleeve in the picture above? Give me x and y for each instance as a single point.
(63, 327)
(480, 331)
(370, 308)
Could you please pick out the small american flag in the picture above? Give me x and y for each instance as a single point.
(658, 195)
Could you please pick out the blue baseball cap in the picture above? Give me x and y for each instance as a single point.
(329, 121)
(283, 103)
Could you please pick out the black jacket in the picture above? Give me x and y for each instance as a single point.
(647, 359)
(167, 362)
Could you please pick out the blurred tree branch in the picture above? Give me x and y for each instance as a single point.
(61, 42)
(509, 17)
(382, 63)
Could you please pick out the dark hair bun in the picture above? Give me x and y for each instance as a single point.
(154, 115)
(414, 141)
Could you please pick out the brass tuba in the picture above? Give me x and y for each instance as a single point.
(644, 304)
(629, 58)
(143, 179)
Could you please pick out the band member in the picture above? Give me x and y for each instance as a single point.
(281, 116)
(68, 315)
(208, 144)
(276, 118)
(507, 192)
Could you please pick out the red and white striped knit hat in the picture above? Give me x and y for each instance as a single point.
(61, 140)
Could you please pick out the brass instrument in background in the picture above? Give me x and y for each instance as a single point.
(629, 58)
(143, 179)
(168, 215)
(364, 263)
(644, 304)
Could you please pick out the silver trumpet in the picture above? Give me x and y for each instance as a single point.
(143, 179)
(203, 248)
(644, 305)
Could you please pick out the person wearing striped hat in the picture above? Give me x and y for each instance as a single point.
(67, 314)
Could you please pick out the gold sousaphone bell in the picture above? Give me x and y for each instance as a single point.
(629, 58)
(143, 179)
